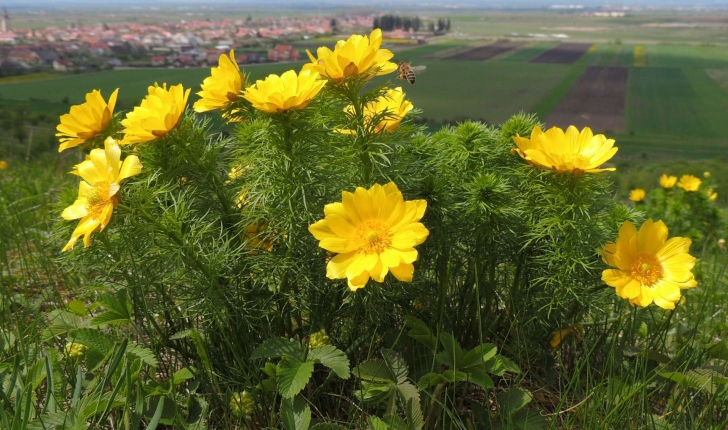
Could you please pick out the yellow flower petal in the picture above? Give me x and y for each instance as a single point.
(570, 151)
(86, 120)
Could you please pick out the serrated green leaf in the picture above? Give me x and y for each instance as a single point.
(293, 374)
(377, 424)
(181, 376)
(374, 371)
(295, 414)
(420, 332)
(394, 422)
(408, 391)
(513, 400)
(373, 392)
(479, 377)
(396, 364)
(333, 358)
(94, 339)
(414, 414)
(77, 307)
(430, 379)
(530, 420)
(452, 353)
(145, 355)
(118, 310)
(455, 376)
(279, 347)
(478, 355)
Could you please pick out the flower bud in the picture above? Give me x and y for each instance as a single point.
(242, 404)
(317, 339)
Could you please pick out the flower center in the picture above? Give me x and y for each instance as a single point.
(373, 237)
(99, 197)
(231, 96)
(646, 269)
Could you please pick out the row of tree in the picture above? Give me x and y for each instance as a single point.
(406, 23)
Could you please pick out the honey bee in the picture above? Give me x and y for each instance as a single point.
(407, 72)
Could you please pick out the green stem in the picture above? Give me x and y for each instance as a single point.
(189, 252)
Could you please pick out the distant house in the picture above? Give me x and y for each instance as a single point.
(283, 53)
(8, 37)
(114, 62)
(159, 60)
(185, 61)
(62, 65)
(253, 57)
(48, 56)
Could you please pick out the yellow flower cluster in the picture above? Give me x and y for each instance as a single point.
(74, 350)
(317, 339)
(163, 108)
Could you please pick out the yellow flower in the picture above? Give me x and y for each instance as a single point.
(85, 121)
(373, 231)
(98, 192)
(667, 182)
(390, 107)
(74, 350)
(706, 175)
(288, 91)
(566, 152)
(712, 195)
(689, 183)
(637, 195)
(222, 87)
(160, 111)
(3, 164)
(647, 266)
(355, 56)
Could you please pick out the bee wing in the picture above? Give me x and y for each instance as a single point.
(418, 68)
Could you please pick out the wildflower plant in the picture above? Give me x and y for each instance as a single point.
(260, 261)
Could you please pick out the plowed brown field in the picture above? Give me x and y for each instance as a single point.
(487, 52)
(597, 100)
(565, 53)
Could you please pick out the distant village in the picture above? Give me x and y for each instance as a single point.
(196, 43)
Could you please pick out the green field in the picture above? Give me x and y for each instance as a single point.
(526, 54)
(452, 90)
(676, 102)
(449, 90)
(701, 57)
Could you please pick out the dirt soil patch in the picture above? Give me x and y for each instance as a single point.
(597, 100)
(487, 52)
(565, 53)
